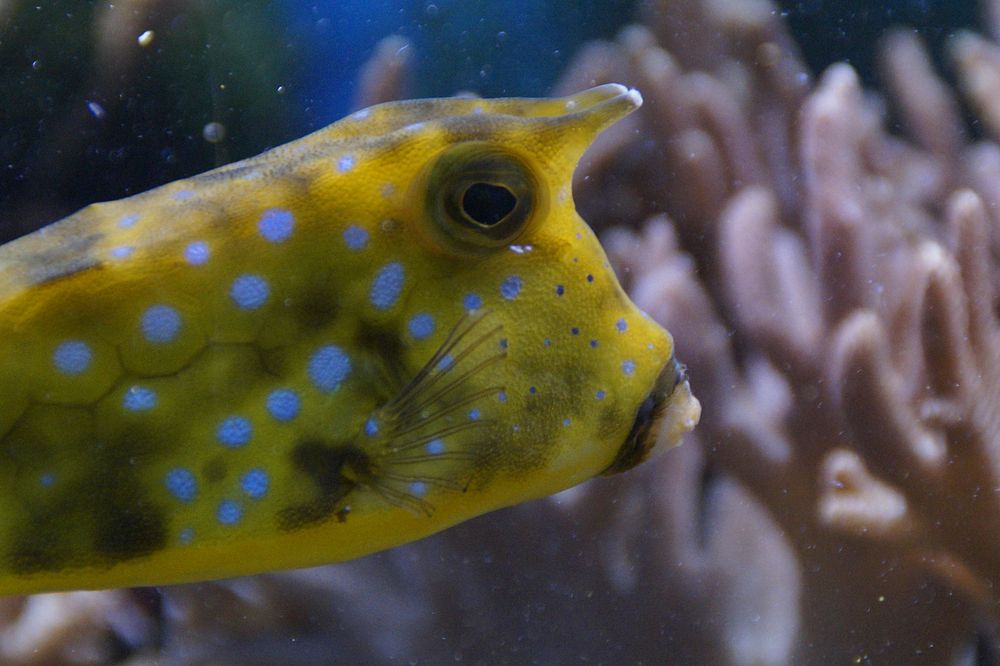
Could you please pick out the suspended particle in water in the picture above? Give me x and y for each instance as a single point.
(96, 110)
(146, 38)
(214, 132)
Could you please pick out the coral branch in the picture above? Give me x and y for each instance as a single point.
(385, 77)
(927, 107)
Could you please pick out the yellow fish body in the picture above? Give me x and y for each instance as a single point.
(344, 344)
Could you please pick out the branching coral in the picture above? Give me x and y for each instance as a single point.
(857, 396)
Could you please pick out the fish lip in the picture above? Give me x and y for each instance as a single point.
(670, 399)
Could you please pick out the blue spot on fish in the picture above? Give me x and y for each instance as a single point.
(435, 447)
(472, 302)
(160, 324)
(229, 512)
(128, 221)
(186, 536)
(600, 394)
(283, 404)
(276, 225)
(511, 287)
(371, 427)
(249, 292)
(345, 163)
(560, 290)
(139, 399)
(421, 326)
(387, 286)
(628, 367)
(473, 414)
(234, 432)
(328, 367)
(418, 488)
(355, 237)
(197, 253)
(621, 325)
(255, 483)
(72, 357)
(180, 482)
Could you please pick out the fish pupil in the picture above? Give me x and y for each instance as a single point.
(487, 204)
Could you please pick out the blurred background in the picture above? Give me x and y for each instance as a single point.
(90, 114)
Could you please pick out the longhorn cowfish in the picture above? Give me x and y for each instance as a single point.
(344, 344)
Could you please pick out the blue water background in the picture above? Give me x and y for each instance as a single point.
(492, 48)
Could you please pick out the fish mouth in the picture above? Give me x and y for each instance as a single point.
(662, 418)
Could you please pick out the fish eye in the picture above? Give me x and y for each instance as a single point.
(479, 197)
(487, 204)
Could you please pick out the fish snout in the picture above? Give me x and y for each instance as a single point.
(667, 412)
